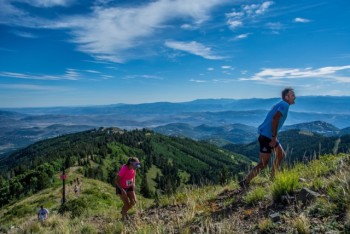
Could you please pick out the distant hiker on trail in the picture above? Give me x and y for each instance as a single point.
(76, 190)
(42, 213)
(268, 131)
(125, 184)
(77, 187)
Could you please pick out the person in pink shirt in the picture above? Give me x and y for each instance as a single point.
(125, 184)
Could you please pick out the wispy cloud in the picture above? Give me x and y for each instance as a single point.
(198, 81)
(143, 77)
(247, 13)
(110, 33)
(257, 9)
(227, 67)
(93, 71)
(30, 87)
(114, 33)
(242, 36)
(193, 47)
(24, 34)
(210, 69)
(275, 26)
(301, 20)
(278, 75)
(189, 26)
(70, 74)
(46, 3)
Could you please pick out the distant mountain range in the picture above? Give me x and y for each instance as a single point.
(217, 120)
(310, 104)
(299, 145)
(240, 133)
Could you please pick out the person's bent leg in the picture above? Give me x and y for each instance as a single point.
(126, 205)
(132, 198)
(279, 155)
(264, 160)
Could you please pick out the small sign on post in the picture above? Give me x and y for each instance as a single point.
(63, 177)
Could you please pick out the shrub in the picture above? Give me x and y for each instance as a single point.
(285, 182)
(76, 207)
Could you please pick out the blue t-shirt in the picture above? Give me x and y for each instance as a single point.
(265, 128)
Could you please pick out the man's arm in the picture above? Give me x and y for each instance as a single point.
(275, 121)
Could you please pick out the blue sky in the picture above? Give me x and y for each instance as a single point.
(70, 52)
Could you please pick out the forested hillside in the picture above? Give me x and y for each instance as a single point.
(101, 152)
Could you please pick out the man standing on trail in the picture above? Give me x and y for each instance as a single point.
(125, 184)
(268, 131)
(42, 213)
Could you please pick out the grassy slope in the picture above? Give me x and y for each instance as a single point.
(216, 209)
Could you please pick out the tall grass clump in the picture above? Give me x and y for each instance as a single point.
(265, 225)
(255, 195)
(88, 229)
(339, 191)
(322, 166)
(285, 182)
(302, 224)
(322, 207)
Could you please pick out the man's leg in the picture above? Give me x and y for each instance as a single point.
(279, 154)
(264, 160)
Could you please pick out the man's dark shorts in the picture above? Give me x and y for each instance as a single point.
(264, 143)
(118, 191)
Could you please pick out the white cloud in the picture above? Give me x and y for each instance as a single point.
(242, 36)
(113, 33)
(275, 75)
(70, 74)
(143, 77)
(257, 9)
(275, 26)
(233, 24)
(46, 3)
(198, 81)
(210, 69)
(110, 33)
(263, 7)
(193, 47)
(226, 67)
(301, 20)
(92, 71)
(24, 34)
(188, 27)
(237, 19)
(31, 87)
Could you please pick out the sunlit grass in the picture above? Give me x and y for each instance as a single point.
(255, 195)
(285, 182)
(302, 224)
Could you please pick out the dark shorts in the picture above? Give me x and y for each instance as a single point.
(264, 143)
(118, 191)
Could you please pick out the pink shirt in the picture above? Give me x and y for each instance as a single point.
(127, 176)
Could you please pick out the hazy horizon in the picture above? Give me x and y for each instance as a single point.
(173, 102)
